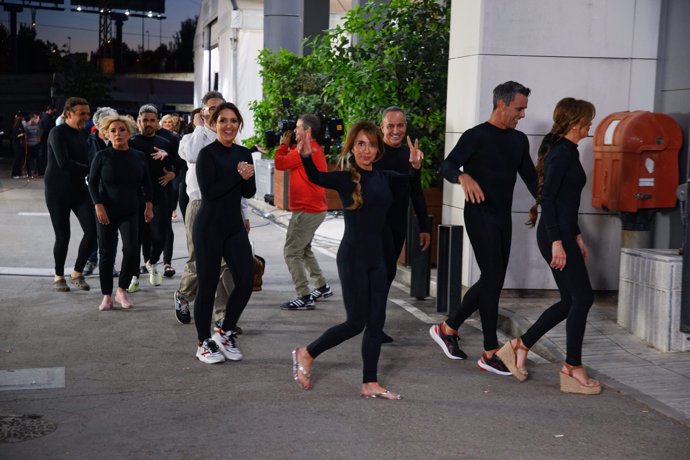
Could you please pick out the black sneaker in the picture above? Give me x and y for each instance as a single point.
(300, 303)
(323, 292)
(448, 343)
(493, 364)
(89, 268)
(182, 309)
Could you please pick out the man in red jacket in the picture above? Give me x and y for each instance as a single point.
(308, 205)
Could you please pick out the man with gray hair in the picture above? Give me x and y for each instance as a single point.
(161, 158)
(190, 146)
(491, 155)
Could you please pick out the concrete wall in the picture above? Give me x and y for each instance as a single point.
(605, 52)
(673, 97)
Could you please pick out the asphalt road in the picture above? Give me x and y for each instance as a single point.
(133, 388)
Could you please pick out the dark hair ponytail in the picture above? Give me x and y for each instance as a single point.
(569, 112)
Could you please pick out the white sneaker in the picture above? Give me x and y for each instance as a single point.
(154, 277)
(133, 285)
(227, 341)
(209, 353)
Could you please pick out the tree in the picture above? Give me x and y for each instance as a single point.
(399, 57)
(182, 47)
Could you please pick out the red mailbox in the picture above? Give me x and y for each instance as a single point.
(636, 161)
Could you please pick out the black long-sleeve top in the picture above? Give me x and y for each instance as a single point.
(492, 156)
(146, 144)
(67, 160)
(398, 159)
(222, 188)
(116, 178)
(564, 179)
(363, 226)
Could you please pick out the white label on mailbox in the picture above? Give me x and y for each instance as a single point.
(649, 165)
(610, 131)
(646, 182)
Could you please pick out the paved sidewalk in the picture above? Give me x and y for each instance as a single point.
(616, 356)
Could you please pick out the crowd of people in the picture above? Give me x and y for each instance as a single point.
(127, 178)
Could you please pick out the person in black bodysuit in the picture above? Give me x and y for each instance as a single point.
(396, 157)
(491, 155)
(173, 189)
(66, 191)
(117, 175)
(161, 156)
(561, 180)
(225, 172)
(366, 195)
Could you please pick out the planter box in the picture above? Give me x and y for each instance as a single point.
(649, 297)
(434, 207)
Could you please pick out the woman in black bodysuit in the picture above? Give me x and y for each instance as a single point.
(225, 172)
(561, 179)
(117, 175)
(366, 196)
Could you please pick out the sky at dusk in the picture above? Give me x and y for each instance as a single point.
(56, 26)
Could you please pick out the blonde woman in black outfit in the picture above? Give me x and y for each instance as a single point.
(117, 175)
(560, 183)
(366, 195)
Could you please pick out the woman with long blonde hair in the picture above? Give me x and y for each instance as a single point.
(366, 196)
(561, 179)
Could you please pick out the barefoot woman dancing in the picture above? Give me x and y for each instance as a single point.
(366, 196)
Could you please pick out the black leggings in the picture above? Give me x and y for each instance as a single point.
(60, 203)
(364, 295)
(237, 252)
(107, 247)
(152, 235)
(576, 299)
(490, 236)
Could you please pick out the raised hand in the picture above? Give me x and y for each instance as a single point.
(416, 155)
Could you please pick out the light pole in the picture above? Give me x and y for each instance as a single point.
(148, 40)
(69, 45)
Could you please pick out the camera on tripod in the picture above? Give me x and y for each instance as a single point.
(289, 123)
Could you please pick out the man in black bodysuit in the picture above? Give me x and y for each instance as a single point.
(161, 157)
(491, 155)
(396, 157)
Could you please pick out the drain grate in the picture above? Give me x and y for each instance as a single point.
(18, 428)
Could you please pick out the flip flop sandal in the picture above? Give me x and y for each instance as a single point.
(297, 369)
(383, 395)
